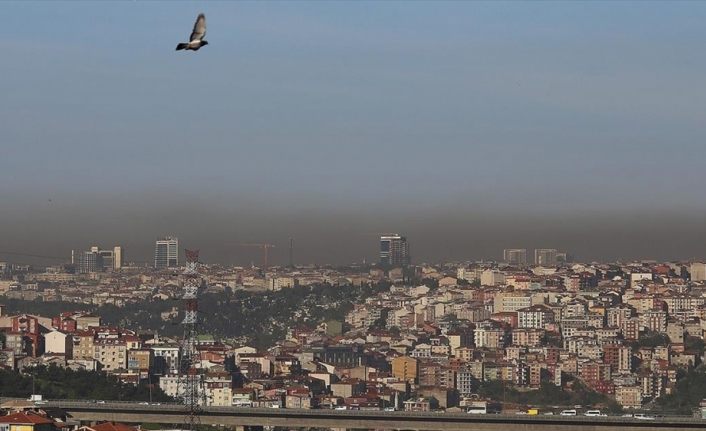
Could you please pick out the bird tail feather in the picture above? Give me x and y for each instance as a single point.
(182, 46)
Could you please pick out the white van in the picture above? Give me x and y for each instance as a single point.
(568, 413)
(594, 413)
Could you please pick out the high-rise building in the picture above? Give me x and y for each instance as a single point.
(394, 250)
(698, 271)
(545, 256)
(106, 258)
(117, 257)
(90, 261)
(515, 256)
(99, 260)
(166, 253)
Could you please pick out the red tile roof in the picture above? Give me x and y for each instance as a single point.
(112, 426)
(25, 418)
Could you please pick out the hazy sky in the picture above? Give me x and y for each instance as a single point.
(467, 126)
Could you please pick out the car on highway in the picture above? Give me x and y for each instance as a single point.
(37, 399)
(643, 416)
(568, 413)
(594, 413)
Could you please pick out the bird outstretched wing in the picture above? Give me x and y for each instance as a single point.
(199, 28)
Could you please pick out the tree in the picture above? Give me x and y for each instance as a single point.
(694, 345)
(690, 390)
(381, 322)
(652, 339)
(256, 318)
(547, 395)
(63, 383)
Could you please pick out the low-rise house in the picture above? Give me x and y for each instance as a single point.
(421, 405)
(26, 421)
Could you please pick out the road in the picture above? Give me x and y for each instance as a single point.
(133, 412)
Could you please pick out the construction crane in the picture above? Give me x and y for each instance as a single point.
(265, 251)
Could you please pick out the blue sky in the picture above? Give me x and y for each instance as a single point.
(308, 118)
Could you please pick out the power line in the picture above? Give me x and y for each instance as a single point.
(38, 256)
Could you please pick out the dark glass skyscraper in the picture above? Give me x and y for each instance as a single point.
(90, 261)
(394, 250)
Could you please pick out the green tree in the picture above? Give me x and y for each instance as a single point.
(652, 339)
(689, 391)
(62, 383)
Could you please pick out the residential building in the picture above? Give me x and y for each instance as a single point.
(111, 354)
(139, 360)
(629, 396)
(85, 348)
(166, 359)
(490, 335)
(405, 368)
(58, 342)
(26, 421)
(527, 337)
(535, 316)
(492, 277)
(619, 358)
(219, 391)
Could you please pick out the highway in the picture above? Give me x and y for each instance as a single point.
(134, 412)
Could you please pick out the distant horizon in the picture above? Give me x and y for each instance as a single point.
(469, 127)
(279, 256)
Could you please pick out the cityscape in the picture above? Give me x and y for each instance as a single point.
(354, 215)
(545, 335)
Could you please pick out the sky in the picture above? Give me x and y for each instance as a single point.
(467, 126)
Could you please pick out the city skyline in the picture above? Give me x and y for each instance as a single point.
(166, 252)
(631, 334)
(575, 126)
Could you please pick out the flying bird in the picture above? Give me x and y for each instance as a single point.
(196, 40)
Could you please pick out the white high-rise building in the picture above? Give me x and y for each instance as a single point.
(545, 256)
(698, 271)
(117, 257)
(166, 253)
(515, 256)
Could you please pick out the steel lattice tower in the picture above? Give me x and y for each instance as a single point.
(191, 382)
